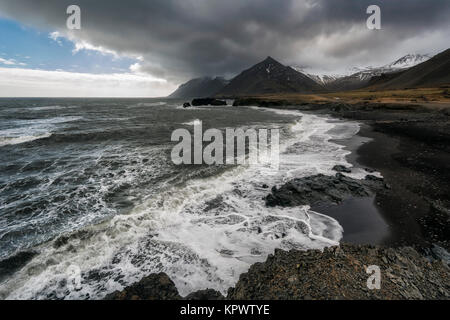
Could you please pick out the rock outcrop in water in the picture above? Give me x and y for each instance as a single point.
(208, 102)
(322, 189)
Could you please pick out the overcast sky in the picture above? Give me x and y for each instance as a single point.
(149, 47)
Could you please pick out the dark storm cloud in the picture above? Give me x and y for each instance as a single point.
(188, 38)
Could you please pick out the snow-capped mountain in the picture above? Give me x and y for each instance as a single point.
(408, 61)
(357, 77)
(321, 78)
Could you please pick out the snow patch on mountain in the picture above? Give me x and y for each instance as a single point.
(364, 73)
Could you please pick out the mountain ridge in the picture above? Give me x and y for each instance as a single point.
(361, 77)
(199, 88)
(269, 76)
(433, 72)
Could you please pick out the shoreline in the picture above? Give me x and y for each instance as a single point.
(410, 146)
(403, 149)
(361, 219)
(313, 274)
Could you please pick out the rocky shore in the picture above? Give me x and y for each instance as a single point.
(410, 147)
(335, 273)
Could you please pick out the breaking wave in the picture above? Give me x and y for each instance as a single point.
(203, 228)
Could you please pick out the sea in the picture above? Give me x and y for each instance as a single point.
(91, 202)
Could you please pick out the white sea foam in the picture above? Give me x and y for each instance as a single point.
(192, 123)
(29, 130)
(149, 104)
(203, 233)
(45, 108)
(4, 141)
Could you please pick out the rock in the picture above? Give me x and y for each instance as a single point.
(446, 111)
(340, 107)
(154, 287)
(160, 287)
(186, 105)
(208, 101)
(340, 168)
(373, 178)
(208, 294)
(340, 273)
(321, 189)
(259, 102)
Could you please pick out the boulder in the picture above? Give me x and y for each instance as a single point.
(154, 287)
(208, 102)
(322, 189)
(340, 168)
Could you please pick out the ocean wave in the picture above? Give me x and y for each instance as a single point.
(5, 141)
(203, 232)
(27, 130)
(45, 108)
(148, 104)
(192, 123)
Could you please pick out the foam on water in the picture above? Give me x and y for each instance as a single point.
(192, 123)
(203, 232)
(29, 130)
(148, 104)
(4, 141)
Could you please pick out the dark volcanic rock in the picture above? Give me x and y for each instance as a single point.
(335, 273)
(342, 169)
(160, 287)
(340, 273)
(154, 287)
(341, 107)
(208, 294)
(259, 102)
(208, 101)
(320, 189)
(186, 105)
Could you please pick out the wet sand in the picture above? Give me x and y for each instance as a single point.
(411, 149)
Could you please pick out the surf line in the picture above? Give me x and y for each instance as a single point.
(257, 141)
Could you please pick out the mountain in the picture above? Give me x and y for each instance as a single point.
(320, 78)
(269, 76)
(199, 88)
(433, 72)
(408, 61)
(361, 77)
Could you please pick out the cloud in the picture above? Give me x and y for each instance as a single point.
(7, 62)
(17, 82)
(11, 62)
(181, 39)
(80, 45)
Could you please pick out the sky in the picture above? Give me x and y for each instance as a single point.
(146, 48)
